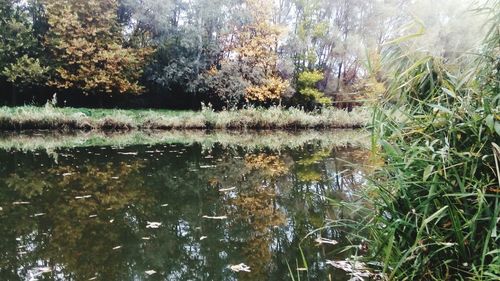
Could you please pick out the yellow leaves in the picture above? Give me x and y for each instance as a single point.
(273, 89)
(212, 71)
(86, 44)
(251, 50)
(269, 164)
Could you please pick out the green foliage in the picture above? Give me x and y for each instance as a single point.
(308, 95)
(439, 203)
(19, 48)
(225, 89)
(309, 78)
(25, 71)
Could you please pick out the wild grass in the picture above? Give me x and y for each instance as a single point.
(437, 197)
(274, 140)
(49, 117)
(439, 201)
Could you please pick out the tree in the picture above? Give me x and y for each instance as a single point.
(86, 47)
(25, 71)
(251, 54)
(307, 93)
(19, 48)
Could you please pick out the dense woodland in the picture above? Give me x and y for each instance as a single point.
(226, 53)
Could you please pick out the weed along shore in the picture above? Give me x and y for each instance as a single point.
(68, 119)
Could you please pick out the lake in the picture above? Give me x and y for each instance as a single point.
(176, 206)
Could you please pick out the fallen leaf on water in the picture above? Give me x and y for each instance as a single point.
(128, 153)
(203, 238)
(227, 189)
(42, 270)
(240, 267)
(20, 203)
(321, 240)
(150, 272)
(207, 166)
(153, 224)
(216, 217)
(356, 269)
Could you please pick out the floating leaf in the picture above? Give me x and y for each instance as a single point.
(153, 224)
(321, 241)
(215, 217)
(240, 267)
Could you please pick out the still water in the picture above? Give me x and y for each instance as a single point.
(174, 211)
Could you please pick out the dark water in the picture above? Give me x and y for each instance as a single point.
(89, 213)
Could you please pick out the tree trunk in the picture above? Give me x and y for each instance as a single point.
(13, 95)
(339, 76)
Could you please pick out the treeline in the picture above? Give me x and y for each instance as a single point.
(180, 54)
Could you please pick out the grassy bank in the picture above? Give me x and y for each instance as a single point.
(275, 140)
(53, 118)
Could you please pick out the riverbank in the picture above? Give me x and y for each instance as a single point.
(68, 119)
(274, 140)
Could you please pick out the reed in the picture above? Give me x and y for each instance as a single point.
(438, 201)
(437, 195)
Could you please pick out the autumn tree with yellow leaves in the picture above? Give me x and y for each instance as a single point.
(250, 57)
(85, 44)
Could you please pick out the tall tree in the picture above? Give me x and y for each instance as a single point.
(19, 48)
(251, 56)
(87, 51)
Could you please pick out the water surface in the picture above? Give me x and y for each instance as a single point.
(173, 211)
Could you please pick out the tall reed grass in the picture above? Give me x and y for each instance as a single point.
(438, 201)
(437, 195)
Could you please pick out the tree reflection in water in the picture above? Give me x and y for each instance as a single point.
(85, 215)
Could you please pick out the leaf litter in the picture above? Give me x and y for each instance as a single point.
(321, 241)
(153, 224)
(240, 267)
(215, 217)
(358, 270)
